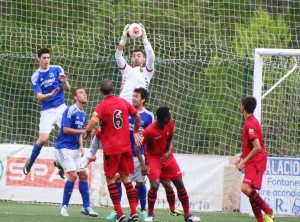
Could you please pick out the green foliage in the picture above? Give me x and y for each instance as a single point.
(200, 48)
(263, 31)
(221, 117)
(225, 82)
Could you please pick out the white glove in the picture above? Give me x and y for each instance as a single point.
(144, 35)
(124, 35)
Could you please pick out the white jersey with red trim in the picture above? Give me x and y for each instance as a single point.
(134, 77)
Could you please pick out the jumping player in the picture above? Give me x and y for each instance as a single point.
(49, 83)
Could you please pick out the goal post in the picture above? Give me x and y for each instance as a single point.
(258, 72)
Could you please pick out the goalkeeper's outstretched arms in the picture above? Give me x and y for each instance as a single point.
(148, 50)
(121, 62)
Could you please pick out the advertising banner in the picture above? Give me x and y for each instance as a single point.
(280, 188)
(203, 177)
(42, 184)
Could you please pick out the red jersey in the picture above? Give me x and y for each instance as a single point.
(113, 114)
(251, 131)
(155, 139)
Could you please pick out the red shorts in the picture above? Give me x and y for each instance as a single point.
(253, 176)
(166, 170)
(121, 163)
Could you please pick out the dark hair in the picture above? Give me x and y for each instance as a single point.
(249, 103)
(143, 92)
(106, 87)
(43, 51)
(138, 50)
(74, 93)
(162, 113)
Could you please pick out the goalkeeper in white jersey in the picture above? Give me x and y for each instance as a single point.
(136, 74)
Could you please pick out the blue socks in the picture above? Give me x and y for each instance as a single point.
(35, 152)
(85, 194)
(119, 186)
(142, 193)
(67, 192)
(83, 189)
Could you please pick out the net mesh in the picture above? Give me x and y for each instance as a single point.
(203, 67)
(280, 112)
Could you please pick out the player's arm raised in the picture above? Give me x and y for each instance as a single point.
(121, 62)
(150, 57)
(123, 38)
(64, 81)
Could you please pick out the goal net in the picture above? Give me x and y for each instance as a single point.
(276, 87)
(203, 67)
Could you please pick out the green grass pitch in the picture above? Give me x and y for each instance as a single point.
(29, 212)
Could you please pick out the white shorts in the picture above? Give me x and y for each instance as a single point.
(50, 117)
(137, 176)
(69, 159)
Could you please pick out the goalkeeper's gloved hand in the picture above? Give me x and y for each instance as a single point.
(124, 35)
(144, 35)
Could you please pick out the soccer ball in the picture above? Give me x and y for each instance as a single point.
(134, 31)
